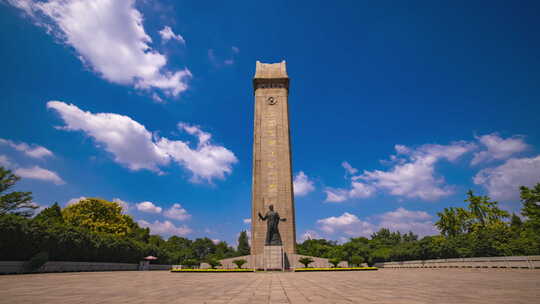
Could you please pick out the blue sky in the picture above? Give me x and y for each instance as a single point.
(397, 108)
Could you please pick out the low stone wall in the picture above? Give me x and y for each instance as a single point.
(7, 267)
(253, 261)
(160, 267)
(317, 262)
(530, 262)
(257, 261)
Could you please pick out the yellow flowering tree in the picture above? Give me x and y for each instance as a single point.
(98, 215)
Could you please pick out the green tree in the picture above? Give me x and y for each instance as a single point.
(516, 224)
(98, 215)
(213, 263)
(50, 215)
(179, 249)
(335, 252)
(357, 247)
(384, 237)
(243, 244)
(530, 198)
(410, 237)
(316, 248)
(224, 251)
(452, 221)
(156, 240)
(16, 241)
(356, 260)
(334, 261)
(477, 207)
(239, 263)
(381, 254)
(203, 247)
(15, 202)
(306, 261)
(484, 212)
(190, 263)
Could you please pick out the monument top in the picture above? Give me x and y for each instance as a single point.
(271, 70)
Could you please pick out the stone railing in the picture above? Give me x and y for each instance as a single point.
(528, 262)
(19, 267)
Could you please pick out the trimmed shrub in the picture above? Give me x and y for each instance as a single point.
(239, 263)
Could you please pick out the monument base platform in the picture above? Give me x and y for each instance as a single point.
(290, 261)
(273, 257)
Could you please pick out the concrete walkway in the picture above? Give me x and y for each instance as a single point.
(383, 286)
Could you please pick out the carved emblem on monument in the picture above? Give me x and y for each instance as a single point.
(271, 100)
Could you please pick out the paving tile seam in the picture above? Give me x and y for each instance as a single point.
(331, 290)
(254, 282)
(254, 293)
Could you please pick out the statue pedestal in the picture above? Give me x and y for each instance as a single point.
(273, 258)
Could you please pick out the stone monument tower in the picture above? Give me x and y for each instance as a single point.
(273, 231)
(272, 172)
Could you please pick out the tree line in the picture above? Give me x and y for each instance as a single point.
(92, 230)
(481, 229)
(96, 230)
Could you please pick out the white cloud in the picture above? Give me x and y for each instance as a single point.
(401, 219)
(498, 148)
(404, 221)
(125, 205)
(401, 149)
(358, 190)
(402, 213)
(361, 190)
(39, 208)
(134, 146)
(34, 151)
(148, 207)
(4, 161)
(310, 235)
(157, 98)
(216, 241)
(503, 182)
(335, 195)
(207, 161)
(165, 228)
(167, 34)
(75, 200)
(129, 141)
(348, 168)
(414, 174)
(177, 212)
(39, 173)
(302, 185)
(109, 37)
(25, 5)
(247, 221)
(217, 62)
(347, 223)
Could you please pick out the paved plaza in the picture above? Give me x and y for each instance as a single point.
(383, 286)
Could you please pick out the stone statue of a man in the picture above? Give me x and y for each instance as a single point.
(272, 232)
